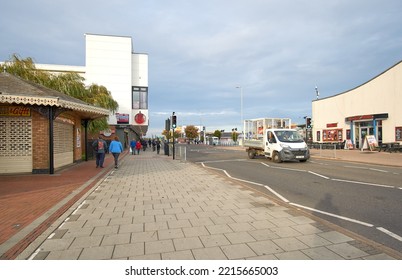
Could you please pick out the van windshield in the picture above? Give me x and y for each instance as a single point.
(288, 136)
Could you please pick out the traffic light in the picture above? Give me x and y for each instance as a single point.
(174, 121)
(308, 122)
(167, 124)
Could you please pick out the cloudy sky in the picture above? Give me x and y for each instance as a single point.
(277, 51)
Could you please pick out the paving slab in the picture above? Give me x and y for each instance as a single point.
(155, 208)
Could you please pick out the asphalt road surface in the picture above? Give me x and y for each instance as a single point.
(365, 199)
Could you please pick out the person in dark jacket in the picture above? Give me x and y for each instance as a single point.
(100, 147)
(158, 146)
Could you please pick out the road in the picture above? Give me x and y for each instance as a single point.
(365, 199)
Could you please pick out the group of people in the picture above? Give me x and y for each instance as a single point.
(142, 144)
(116, 148)
(100, 146)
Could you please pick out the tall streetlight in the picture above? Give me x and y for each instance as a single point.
(241, 107)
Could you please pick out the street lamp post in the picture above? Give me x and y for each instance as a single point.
(241, 107)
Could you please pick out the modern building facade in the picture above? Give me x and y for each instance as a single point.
(373, 108)
(111, 62)
(42, 130)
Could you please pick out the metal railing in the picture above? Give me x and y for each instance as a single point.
(326, 146)
(180, 152)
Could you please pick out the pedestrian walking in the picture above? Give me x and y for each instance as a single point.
(144, 144)
(158, 146)
(132, 146)
(100, 147)
(138, 146)
(116, 149)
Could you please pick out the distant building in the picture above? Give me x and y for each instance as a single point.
(373, 108)
(111, 62)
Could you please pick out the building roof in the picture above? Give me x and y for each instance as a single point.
(382, 73)
(14, 90)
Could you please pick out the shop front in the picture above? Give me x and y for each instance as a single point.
(364, 125)
(40, 129)
(370, 112)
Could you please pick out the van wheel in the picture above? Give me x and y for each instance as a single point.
(276, 157)
(251, 154)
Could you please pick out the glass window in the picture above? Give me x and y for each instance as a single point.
(140, 98)
(288, 136)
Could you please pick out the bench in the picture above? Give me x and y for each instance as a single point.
(390, 147)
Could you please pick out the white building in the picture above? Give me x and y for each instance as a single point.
(373, 108)
(111, 62)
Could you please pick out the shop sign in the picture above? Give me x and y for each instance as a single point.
(122, 118)
(367, 117)
(370, 143)
(358, 118)
(140, 118)
(108, 132)
(15, 111)
(332, 125)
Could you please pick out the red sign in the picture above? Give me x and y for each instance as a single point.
(332, 124)
(140, 118)
(15, 111)
(357, 118)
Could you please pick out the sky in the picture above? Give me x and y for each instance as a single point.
(216, 62)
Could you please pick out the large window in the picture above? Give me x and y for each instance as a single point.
(398, 133)
(140, 98)
(332, 135)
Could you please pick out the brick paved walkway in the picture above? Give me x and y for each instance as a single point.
(25, 198)
(156, 208)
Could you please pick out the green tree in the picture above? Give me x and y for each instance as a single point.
(71, 84)
(191, 132)
(168, 134)
(235, 135)
(217, 133)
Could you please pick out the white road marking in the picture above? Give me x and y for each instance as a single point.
(389, 233)
(379, 170)
(223, 160)
(34, 254)
(230, 176)
(263, 163)
(319, 163)
(277, 194)
(319, 175)
(332, 215)
(393, 235)
(289, 169)
(364, 183)
(338, 180)
(366, 168)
